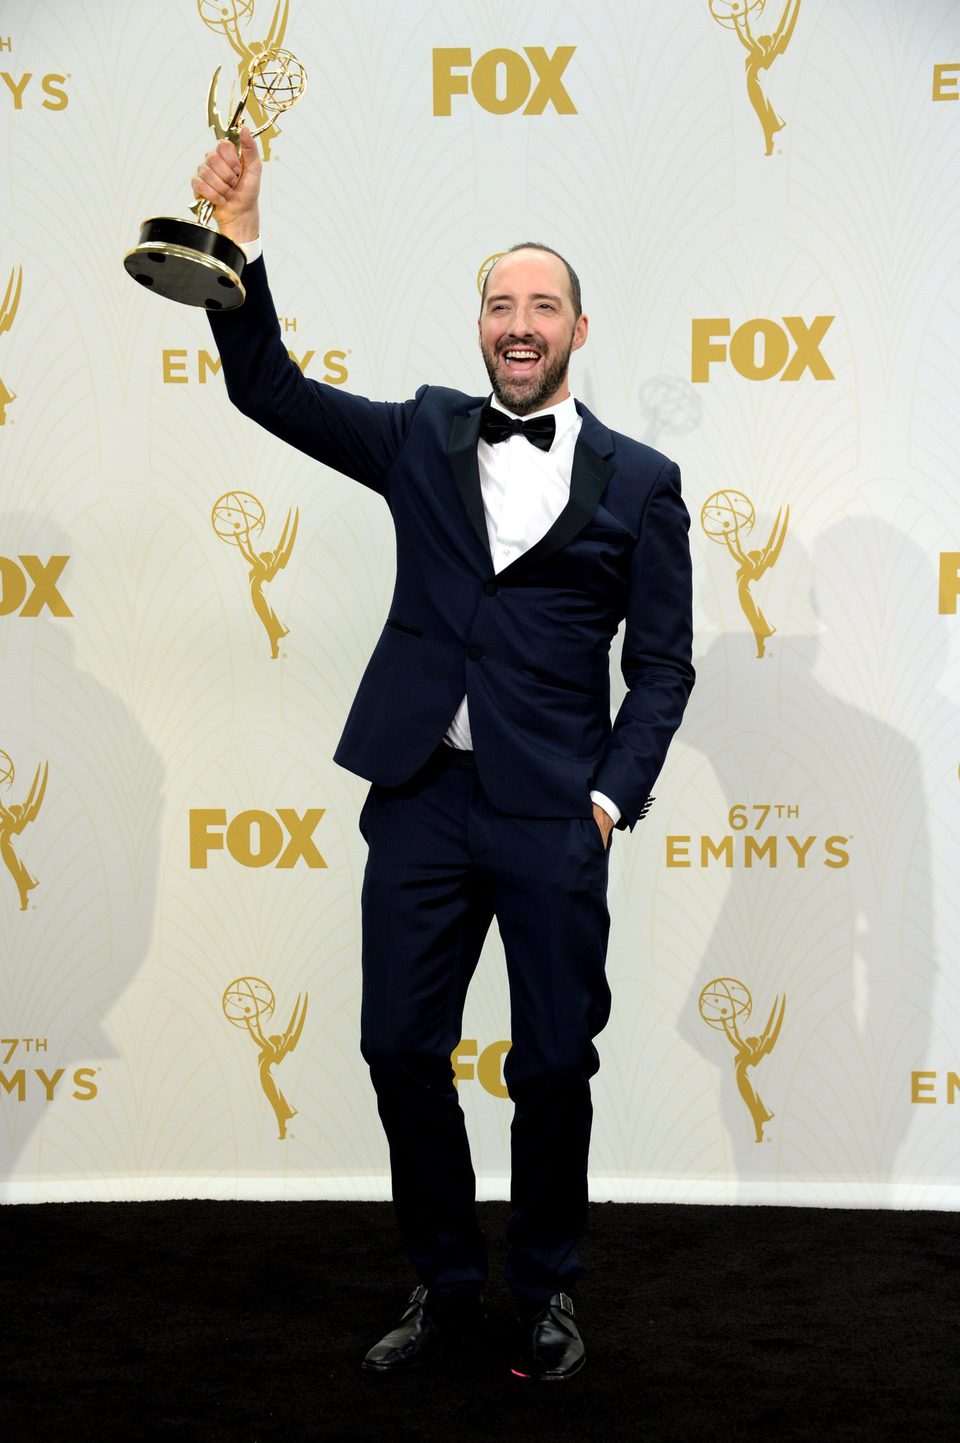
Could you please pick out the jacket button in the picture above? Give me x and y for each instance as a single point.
(475, 653)
(490, 588)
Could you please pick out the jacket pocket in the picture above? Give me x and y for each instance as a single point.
(548, 680)
(401, 626)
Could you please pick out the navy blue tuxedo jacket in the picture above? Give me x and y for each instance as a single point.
(529, 646)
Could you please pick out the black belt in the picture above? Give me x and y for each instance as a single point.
(447, 756)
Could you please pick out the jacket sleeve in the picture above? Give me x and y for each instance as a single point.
(358, 437)
(657, 648)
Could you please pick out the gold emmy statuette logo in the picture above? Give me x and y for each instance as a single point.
(723, 1002)
(8, 314)
(728, 516)
(249, 1002)
(14, 819)
(486, 268)
(762, 51)
(226, 17)
(237, 518)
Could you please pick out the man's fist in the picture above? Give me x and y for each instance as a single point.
(231, 182)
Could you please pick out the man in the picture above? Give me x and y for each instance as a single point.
(483, 724)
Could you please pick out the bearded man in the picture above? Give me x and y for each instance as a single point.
(527, 532)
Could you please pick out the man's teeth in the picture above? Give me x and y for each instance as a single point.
(521, 356)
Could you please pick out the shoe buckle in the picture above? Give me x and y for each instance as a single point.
(564, 1304)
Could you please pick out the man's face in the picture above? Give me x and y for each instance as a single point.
(528, 329)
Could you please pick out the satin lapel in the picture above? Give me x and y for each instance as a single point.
(462, 454)
(588, 481)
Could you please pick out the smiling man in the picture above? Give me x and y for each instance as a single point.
(527, 532)
(527, 335)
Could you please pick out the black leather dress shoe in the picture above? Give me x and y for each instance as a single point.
(549, 1342)
(430, 1324)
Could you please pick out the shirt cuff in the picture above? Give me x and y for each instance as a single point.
(253, 250)
(611, 808)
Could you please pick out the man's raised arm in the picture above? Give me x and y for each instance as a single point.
(358, 437)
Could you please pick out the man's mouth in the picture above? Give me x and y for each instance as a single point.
(520, 359)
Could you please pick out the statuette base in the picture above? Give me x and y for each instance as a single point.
(184, 261)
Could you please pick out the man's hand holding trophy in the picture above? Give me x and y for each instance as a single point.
(187, 260)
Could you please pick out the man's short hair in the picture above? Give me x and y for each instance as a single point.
(572, 276)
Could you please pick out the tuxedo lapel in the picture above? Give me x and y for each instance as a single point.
(588, 481)
(462, 454)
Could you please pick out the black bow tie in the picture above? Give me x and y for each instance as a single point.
(495, 426)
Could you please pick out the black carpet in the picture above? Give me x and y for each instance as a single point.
(245, 1322)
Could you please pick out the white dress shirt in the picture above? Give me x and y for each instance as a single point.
(524, 490)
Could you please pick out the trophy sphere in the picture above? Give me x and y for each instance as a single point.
(730, 13)
(248, 997)
(727, 513)
(225, 15)
(277, 81)
(724, 1000)
(236, 514)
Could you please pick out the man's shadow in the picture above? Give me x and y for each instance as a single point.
(820, 725)
(89, 848)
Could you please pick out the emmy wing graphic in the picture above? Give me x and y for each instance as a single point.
(728, 516)
(722, 1003)
(238, 517)
(762, 51)
(8, 314)
(225, 17)
(13, 821)
(249, 1002)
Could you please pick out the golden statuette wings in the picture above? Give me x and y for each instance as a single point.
(13, 821)
(281, 554)
(11, 300)
(768, 1037)
(291, 1036)
(784, 31)
(767, 557)
(26, 812)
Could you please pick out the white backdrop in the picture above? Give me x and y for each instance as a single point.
(144, 684)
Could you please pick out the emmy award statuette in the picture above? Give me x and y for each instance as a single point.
(187, 260)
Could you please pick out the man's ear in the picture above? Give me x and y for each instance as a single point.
(580, 333)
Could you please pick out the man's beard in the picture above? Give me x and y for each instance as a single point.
(552, 376)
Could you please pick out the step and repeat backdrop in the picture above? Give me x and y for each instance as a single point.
(762, 200)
